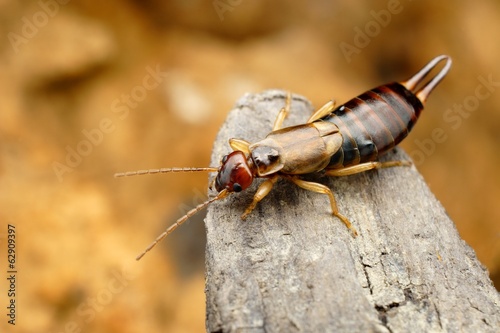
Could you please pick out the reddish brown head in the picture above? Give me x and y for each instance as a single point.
(235, 175)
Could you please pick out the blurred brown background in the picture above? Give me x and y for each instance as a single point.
(91, 88)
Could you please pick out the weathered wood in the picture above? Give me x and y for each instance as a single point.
(292, 267)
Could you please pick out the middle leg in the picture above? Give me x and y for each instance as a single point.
(278, 123)
(320, 188)
(322, 111)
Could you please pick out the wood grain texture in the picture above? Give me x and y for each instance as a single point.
(292, 267)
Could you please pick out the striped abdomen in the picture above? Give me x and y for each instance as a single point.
(373, 123)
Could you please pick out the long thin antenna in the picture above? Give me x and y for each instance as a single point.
(162, 170)
(222, 194)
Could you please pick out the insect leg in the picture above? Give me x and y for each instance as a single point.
(278, 123)
(320, 188)
(240, 145)
(322, 111)
(365, 167)
(262, 191)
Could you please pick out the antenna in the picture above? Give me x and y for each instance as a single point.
(162, 170)
(222, 194)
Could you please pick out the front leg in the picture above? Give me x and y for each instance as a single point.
(240, 145)
(262, 191)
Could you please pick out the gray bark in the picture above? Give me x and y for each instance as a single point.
(293, 267)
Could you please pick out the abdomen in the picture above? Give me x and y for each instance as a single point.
(373, 123)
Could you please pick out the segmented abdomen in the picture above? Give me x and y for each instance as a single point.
(373, 123)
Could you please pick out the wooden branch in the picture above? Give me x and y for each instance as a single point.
(293, 267)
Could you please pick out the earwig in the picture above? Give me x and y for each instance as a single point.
(336, 141)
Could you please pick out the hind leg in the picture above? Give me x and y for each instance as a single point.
(365, 167)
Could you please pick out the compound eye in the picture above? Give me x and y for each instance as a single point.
(237, 187)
